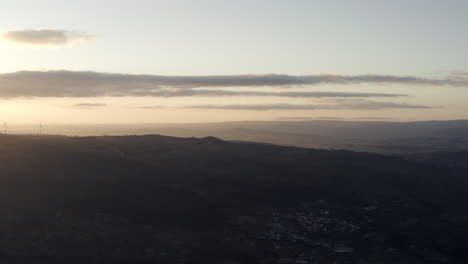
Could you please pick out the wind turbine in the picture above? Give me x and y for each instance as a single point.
(40, 129)
(5, 127)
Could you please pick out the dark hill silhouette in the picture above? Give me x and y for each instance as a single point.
(128, 195)
(458, 159)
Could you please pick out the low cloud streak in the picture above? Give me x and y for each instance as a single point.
(305, 118)
(339, 105)
(45, 37)
(87, 105)
(167, 93)
(151, 107)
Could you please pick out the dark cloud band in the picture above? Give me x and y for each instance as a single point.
(93, 84)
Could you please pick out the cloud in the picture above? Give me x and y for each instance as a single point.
(303, 118)
(357, 104)
(151, 107)
(87, 105)
(45, 37)
(216, 93)
(94, 84)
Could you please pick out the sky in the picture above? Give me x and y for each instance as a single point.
(212, 61)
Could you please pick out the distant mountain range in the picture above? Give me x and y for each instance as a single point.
(378, 137)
